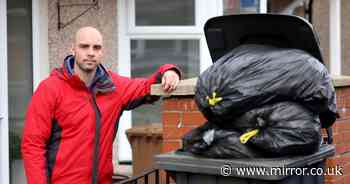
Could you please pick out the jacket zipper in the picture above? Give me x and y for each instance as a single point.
(97, 139)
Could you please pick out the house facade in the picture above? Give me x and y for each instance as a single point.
(139, 36)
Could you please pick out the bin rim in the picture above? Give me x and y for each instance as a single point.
(187, 163)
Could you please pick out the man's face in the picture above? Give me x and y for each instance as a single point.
(87, 50)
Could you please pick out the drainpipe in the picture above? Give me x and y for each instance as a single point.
(263, 6)
(335, 36)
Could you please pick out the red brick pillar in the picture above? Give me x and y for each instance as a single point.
(341, 135)
(180, 115)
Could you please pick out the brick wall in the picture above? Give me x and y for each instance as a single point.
(341, 133)
(180, 114)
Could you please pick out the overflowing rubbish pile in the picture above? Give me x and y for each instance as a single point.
(262, 101)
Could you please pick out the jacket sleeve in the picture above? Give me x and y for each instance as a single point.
(36, 133)
(137, 91)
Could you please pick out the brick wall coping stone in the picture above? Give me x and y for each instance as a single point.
(186, 87)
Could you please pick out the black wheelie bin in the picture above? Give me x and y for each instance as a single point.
(223, 34)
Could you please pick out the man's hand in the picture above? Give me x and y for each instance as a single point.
(170, 80)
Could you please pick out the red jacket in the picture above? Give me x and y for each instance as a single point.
(69, 128)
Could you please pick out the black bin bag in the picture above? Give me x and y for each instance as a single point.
(209, 141)
(253, 75)
(285, 128)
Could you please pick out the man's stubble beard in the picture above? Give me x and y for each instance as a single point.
(84, 69)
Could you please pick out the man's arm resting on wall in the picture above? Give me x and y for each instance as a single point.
(138, 90)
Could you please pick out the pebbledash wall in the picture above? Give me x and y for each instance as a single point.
(180, 115)
(103, 18)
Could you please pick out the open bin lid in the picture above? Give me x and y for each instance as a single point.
(225, 33)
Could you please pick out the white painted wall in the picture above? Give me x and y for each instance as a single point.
(41, 64)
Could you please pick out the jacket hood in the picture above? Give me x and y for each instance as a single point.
(101, 82)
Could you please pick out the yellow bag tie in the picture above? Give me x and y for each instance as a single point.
(213, 101)
(246, 136)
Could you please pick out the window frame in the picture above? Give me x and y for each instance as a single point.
(128, 31)
(133, 29)
(4, 130)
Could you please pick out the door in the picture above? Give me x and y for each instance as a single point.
(23, 64)
(20, 79)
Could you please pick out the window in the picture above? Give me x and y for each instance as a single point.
(149, 37)
(148, 55)
(244, 6)
(180, 13)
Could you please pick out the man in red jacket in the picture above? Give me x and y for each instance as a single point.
(72, 117)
